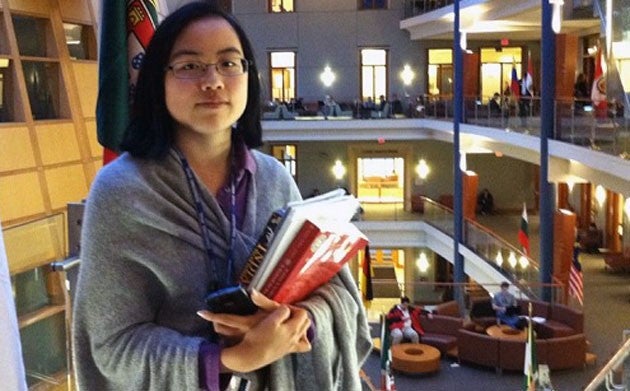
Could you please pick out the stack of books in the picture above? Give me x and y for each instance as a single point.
(303, 246)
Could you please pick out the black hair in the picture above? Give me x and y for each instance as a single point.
(151, 131)
(404, 299)
(505, 284)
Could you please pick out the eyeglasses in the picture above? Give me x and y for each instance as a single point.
(198, 69)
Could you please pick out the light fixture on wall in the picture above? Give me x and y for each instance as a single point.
(407, 75)
(556, 15)
(600, 195)
(327, 77)
(422, 169)
(499, 259)
(423, 263)
(512, 259)
(523, 261)
(339, 170)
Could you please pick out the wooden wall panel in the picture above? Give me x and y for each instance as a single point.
(563, 241)
(30, 6)
(20, 196)
(57, 143)
(96, 149)
(17, 151)
(66, 184)
(75, 11)
(86, 77)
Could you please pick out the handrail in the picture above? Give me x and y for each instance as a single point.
(611, 365)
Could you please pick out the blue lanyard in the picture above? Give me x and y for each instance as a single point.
(201, 218)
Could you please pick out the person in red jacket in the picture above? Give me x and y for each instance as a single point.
(404, 322)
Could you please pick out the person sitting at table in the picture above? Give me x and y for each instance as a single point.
(404, 322)
(507, 309)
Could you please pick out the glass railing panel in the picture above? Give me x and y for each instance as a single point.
(615, 375)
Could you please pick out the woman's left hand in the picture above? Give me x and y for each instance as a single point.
(234, 327)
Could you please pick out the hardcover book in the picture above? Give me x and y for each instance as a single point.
(315, 233)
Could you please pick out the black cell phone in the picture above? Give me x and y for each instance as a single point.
(231, 300)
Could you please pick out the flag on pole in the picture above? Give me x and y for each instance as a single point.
(126, 29)
(514, 86)
(527, 87)
(387, 378)
(366, 280)
(576, 280)
(11, 365)
(598, 91)
(530, 369)
(523, 232)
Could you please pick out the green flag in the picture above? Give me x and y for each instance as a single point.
(126, 29)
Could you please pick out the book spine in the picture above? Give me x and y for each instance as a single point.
(258, 253)
(300, 245)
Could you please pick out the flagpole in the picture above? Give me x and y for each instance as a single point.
(547, 99)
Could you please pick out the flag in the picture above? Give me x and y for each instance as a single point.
(11, 365)
(126, 29)
(598, 91)
(576, 280)
(523, 232)
(530, 368)
(527, 87)
(366, 280)
(514, 86)
(387, 378)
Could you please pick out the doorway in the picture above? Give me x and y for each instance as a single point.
(380, 180)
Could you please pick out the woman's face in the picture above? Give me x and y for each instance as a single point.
(208, 103)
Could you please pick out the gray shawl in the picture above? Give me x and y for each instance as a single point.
(144, 275)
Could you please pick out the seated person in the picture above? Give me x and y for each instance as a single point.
(495, 105)
(507, 309)
(485, 202)
(404, 321)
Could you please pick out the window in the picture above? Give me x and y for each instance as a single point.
(496, 69)
(381, 180)
(42, 85)
(287, 155)
(80, 40)
(440, 72)
(276, 6)
(282, 76)
(373, 73)
(372, 4)
(34, 37)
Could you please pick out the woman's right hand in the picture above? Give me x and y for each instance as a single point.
(281, 332)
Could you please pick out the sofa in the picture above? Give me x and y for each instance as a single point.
(505, 354)
(618, 261)
(562, 321)
(447, 308)
(440, 331)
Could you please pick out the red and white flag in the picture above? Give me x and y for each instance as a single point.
(523, 232)
(598, 91)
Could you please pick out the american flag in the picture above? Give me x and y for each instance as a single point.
(576, 281)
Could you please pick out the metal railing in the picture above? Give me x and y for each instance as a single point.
(615, 375)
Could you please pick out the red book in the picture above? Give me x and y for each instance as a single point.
(312, 262)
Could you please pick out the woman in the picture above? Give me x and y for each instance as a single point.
(175, 218)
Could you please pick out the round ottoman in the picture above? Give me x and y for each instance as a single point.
(415, 358)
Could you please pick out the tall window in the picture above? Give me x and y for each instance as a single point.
(372, 4)
(496, 69)
(373, 73)
(287, 154)
(276, 6)
(282, 76)
(440, 72)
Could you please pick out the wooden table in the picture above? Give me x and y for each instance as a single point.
(507, 332)
(415, 358)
